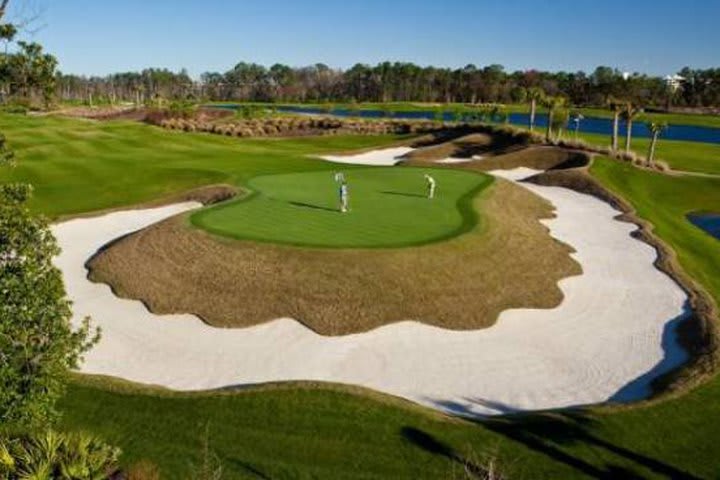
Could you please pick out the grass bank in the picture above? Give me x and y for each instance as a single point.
(306, 431)
(688, 156)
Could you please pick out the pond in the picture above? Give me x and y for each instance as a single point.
(710, 222)
(588, 124)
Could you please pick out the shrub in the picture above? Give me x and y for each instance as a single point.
(16, 108)
(38, 345)
(52, 455)
(182, 109)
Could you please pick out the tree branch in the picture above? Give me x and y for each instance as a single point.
(3, 7)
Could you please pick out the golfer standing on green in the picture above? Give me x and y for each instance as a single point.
(344, 197)
(430, 186)
(343, 192)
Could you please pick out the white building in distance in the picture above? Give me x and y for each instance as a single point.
(674, 81)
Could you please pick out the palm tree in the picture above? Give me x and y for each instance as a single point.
(552, 104)
(535, 95)
(656, 128)
(629, 114)
(616, 106)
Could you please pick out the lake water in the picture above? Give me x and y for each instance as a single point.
(601, 126)
(710, 222)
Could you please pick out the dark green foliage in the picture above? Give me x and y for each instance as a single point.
(8, 32)
(182, 108)
(51, 455)
(403, 82)
(37, 344)
(30, 72)
(251, 111)
(7, 156)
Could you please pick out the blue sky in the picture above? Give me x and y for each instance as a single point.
(657, 37)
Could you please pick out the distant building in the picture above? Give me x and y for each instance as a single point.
(674, 82)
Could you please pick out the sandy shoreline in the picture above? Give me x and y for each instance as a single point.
(613, 333)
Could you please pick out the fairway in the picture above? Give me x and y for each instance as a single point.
(305, 245)
(78, 166)
(388, 208)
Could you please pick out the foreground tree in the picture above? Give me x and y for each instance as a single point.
(656, 128)
(38, 346)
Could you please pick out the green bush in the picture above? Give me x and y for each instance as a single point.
(38, 346)
(57, 456)
(250, 111)
(15, 107)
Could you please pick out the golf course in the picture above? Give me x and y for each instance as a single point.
(301, 191)
(223, 258)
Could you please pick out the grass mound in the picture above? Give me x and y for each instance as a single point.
(388, 206)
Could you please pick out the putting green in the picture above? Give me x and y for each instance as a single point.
(388, 208)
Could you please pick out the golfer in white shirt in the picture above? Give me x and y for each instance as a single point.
(431, 184)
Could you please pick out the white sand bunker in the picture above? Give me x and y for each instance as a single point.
(613, 333)
(451, 160)
(383, 157)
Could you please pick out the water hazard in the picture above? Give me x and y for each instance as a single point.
(587, 125)
(710, 222)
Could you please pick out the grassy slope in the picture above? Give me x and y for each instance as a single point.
(688, 156)
(296, 432)
(388, 208)
(79, 165)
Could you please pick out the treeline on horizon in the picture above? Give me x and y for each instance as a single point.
(394, 82)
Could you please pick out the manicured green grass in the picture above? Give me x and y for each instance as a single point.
(680, 155)
(300, 432)
(388, 207)
(80, 165)
(698, 120)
